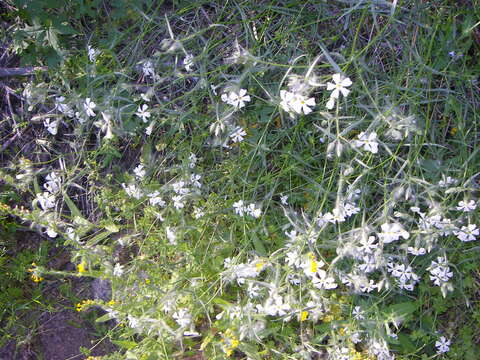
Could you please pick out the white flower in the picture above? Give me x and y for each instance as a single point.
(239, 207)
(283, 200)
(155, 199)
(149, 128)
(330, 103)
(442, 345)
(177, 202)
(88, 106)
(142, 113)
(140, 171)
(147, 68)
(182, 317)
(447, 181)
(275, 306)
(179, 188)
(322, 281)
(287, 99)
(467, 233)
(194, 179)
(252, 210)
(464, 206)
(53, 182)
(132, 190)
(51, 232)
(392, 232)
(92, 53)
(368, 142)
(358, 313)
(118, 270)
(46, 200)
(237, 100)
(293, 258)
(192, 160)
(368, 287)
(368, 245)
(198, 213)
(238, 134)
(52, 126)
(62, 107)
(338, 86)
(188, 62)
(301, 104)
(171, 235)
(415, 251)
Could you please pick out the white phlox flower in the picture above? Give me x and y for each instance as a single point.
(142, 113)
(322, 281)
(51, 126)
(238, 134)
(182, 317)
(171, 235)
(62, 107)
(88, 106)
(467, 233)
(46, 200)
(254, 211)
(155, 199)
(178, 202)
(140, 171)
(442, 345)
(466, 206)
(118, 270)
(368, 142)
(92, 53)
(188, 63)
(132, 190)
(53, 182)
(301, 104)
(338, 86)
(392, 232)
(237, 100)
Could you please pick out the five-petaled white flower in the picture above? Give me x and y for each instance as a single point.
(238, 134)
(237, 100)
(142, 113)
(442, 345)
(467, 233)
(52, 126)
(302, 104)
(339, 85)
(392, 232)
(466, 206)
(88, 106)
(368, 142)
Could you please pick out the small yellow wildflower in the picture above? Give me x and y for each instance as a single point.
(147, 281)
(82, 267)
(230, 342)
(304, 315)
(453, 131)
(111, 302)
(85, 303)
(36, 278)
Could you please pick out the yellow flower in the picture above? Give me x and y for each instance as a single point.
(304, 315)
(82, 267)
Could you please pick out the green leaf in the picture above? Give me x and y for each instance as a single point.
(73, 208)
(125, 344)
(407, 345)
(402, 310)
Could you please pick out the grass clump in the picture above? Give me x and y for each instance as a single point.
(292, 180)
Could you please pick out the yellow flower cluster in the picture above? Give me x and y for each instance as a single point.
(230, 342)
(85, 303)
(35, 276)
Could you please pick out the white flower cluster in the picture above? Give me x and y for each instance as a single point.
(251, 209)
(236, 99)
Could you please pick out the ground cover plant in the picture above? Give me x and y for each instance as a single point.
(268, 180)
